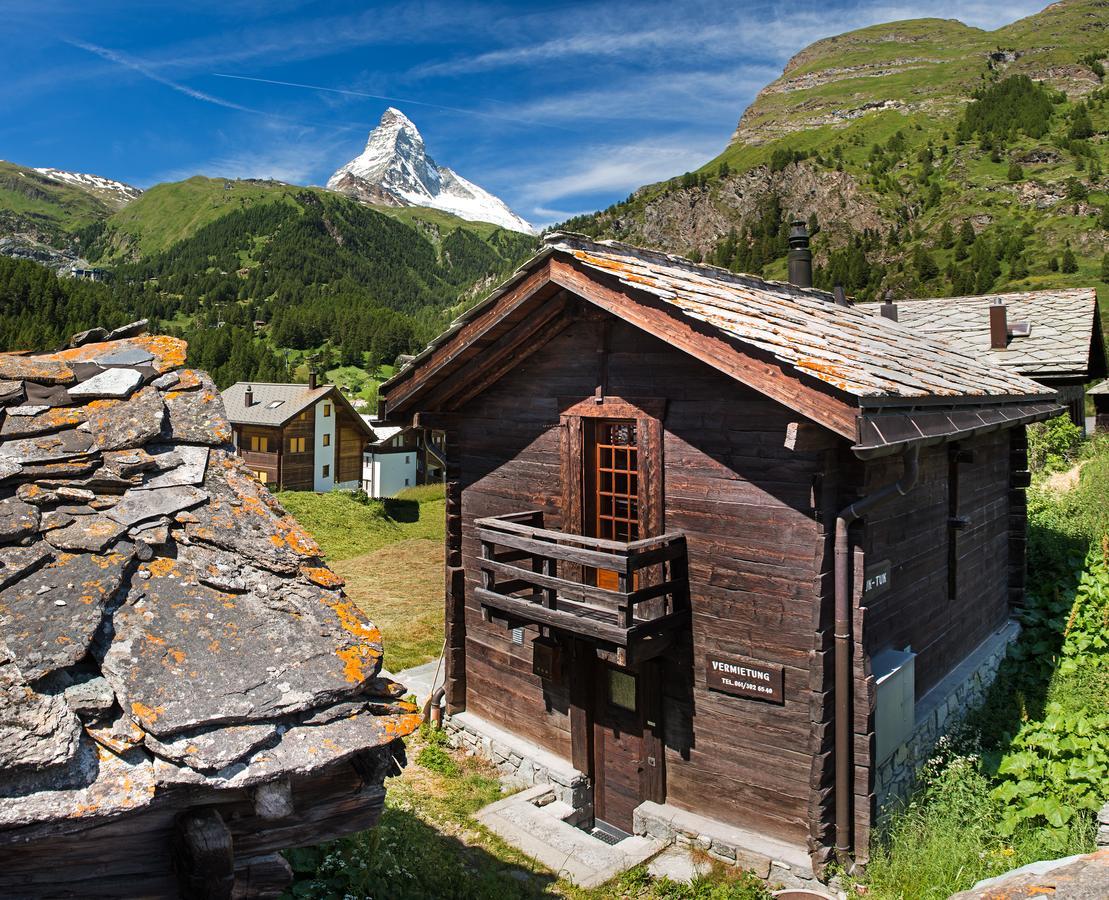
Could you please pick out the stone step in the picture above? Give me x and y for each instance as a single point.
(540, 832)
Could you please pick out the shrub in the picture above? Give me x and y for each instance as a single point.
(1054, 445)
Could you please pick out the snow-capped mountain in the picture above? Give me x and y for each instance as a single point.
(114, 192)
(395, 169)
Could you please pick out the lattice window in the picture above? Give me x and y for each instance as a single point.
(617, 481)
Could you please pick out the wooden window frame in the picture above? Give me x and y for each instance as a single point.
(259, 443)
(327, 410)
(327, 440)
(648, 415)
(325, 472)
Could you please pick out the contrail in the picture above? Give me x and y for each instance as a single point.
(331, 90)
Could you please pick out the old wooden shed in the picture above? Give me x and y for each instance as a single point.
(715, 543)
(184, 688)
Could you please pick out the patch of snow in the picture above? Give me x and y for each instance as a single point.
(396, 161)
(124, 192)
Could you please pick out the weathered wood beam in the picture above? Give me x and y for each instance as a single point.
(705, 343)
(464, 345)
(807, 436)
(204, 855)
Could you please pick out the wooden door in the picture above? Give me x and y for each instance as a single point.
(617, 746)
(613, 482)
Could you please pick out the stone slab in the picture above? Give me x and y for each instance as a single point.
(49, 621)
(197, 416)
(138, 505)
(86, 533)
(17, 519)
(186, 655)
(36, 731)
(119, 425)
(191, 466)
(115, 383)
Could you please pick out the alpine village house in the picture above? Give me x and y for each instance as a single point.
(717, 547)
(298, 437)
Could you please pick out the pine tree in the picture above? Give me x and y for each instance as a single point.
(1069, 263)
(1105, 267)
(1053, 264)
(947, 235)
(1080, 125)
(1016, 171)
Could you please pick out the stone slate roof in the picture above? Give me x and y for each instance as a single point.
(290, 399)
(1060, 342)
(164, 623)
(1102, 388)
(861, 355)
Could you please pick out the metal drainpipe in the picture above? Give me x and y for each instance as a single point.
(843, 692)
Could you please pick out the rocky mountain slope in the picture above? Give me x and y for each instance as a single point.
(395, 170)
(922, 151)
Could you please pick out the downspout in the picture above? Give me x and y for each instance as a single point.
(843, 644)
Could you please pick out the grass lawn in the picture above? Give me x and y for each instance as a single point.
(391, 554)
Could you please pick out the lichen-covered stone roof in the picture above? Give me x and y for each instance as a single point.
(164, 623)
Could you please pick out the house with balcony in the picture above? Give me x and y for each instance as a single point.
(298, 437)
(717, 547)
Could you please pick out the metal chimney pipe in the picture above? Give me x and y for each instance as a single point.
(800, 257)
(889, 308)
(999, 325)
(248, 397)
(311, 379)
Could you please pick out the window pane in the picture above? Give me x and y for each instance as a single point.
(621, 689)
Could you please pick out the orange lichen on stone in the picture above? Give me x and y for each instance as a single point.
(145, 714)
(98, 405)
(163, 567)
(322, 576)
(189, 379)
(401, 726)
(42, 369)
(169, 352)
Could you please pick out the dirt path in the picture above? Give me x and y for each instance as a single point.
(1061, 482)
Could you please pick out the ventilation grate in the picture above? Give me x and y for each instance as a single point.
(610, 834)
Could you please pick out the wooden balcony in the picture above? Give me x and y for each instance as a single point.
(533, 576)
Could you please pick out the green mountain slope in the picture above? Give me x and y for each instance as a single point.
(863, 135)
(36, 211)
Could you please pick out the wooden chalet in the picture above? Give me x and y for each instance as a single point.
(298, 437)
(184, 689)
(1053, 336)
(696, 521)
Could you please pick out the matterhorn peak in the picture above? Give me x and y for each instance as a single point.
(394, 169)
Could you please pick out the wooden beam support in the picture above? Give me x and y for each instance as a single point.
(203, 854)
(808, 436)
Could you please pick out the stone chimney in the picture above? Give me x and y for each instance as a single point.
(248, 397)
(889, 308)
(800, 257)
(841, 296)
(311, 379)
(999, 325)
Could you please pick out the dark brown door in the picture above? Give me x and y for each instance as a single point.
(617, 746)
(613, 484)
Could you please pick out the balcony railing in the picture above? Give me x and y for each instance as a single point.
(533, 576)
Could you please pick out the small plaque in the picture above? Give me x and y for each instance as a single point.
(744, 677)
(876, 579)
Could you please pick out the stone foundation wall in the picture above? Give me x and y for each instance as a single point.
(937, 713)
(522, 763)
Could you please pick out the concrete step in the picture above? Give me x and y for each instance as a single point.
(540, 832)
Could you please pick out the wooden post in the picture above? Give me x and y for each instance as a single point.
(582, 662)
(455, 580)
(203, 855)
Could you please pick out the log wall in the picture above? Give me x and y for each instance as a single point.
(756, 553)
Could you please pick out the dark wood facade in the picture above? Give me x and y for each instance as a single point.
(289, 462)
(737, 495)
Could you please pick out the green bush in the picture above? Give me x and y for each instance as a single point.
(1054, 445)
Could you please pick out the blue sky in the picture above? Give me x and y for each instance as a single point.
(558, 108)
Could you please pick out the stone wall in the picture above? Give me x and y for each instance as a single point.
(521, 763)
(938, 712)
